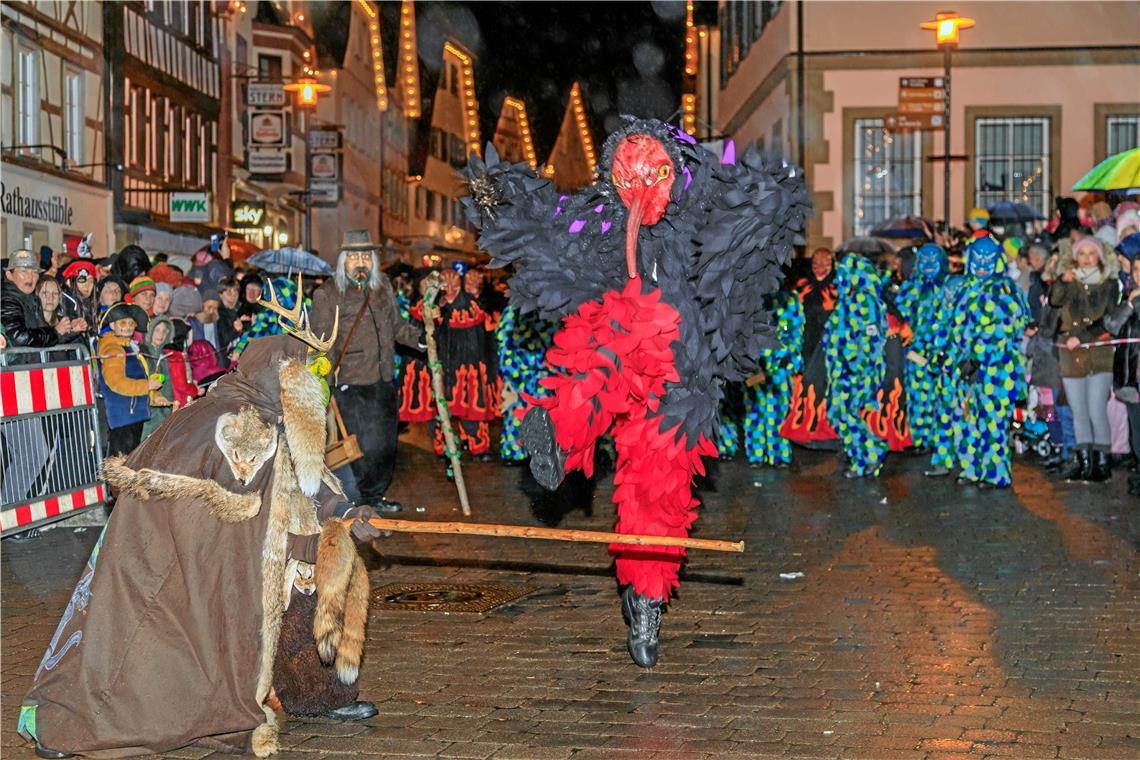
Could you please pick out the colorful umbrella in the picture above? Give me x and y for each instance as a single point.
(1119, 172)
(290, 261)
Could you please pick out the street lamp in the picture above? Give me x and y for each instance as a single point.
(946, 27)
(307, 90)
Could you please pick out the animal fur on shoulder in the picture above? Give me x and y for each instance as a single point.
(342, 601)
(225, 505)
(246, 442)
(303, 408)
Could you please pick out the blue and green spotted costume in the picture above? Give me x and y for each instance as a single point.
(919, 302)
(989, 321)
(266, 322)
(766, 403)
(944, 392)
(522, 343)
(853, 343)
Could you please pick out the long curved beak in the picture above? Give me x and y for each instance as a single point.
(632, 227)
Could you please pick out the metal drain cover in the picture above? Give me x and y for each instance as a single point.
(447, 597)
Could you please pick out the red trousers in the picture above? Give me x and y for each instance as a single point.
(615, 358)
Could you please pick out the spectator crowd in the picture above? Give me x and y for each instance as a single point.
(967, 346)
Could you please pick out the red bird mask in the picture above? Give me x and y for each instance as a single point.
(643, 176)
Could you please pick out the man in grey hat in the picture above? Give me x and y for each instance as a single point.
(363, 359)
(20, 309)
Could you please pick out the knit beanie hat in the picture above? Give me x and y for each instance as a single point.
(140, 284)
(186, 301)
(166, 273)
(162, 287)
(1126, 219)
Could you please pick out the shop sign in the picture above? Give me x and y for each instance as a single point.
(190, 207)
(324, 139)
(324, 166)
(247, 215)
(267, 128)
(265, 94)
(55, 209)
(267, 161)
(323, 194)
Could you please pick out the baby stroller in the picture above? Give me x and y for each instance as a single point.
(1031, 430)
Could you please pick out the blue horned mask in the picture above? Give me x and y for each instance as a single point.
(930, 262)
(984, 257)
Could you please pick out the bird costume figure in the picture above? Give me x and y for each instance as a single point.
(767, 402)
(523, 341)
(919, 303)
(854, 341)
(659, 270)
(989, 320)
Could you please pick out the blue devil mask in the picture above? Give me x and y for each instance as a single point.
(985, 257)
(930, 262)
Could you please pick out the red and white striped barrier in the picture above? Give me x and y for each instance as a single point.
(30, 391)
(26, 514)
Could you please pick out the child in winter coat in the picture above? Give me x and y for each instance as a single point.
(124, 378)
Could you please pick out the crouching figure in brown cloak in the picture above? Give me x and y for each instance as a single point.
(171, 635)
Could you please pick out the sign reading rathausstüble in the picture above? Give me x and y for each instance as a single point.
(54, 210)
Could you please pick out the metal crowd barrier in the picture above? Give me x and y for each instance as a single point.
(50, 452)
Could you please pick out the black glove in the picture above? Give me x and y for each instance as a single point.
(362, 530)
(968, 370)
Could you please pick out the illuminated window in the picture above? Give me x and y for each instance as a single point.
(27, 97)
(73, 114)
(1123, 133)
(1012, 162)
(887, 174)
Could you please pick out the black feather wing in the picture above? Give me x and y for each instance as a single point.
(757, 211)
(565, 250)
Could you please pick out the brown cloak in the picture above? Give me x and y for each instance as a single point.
(171, 633)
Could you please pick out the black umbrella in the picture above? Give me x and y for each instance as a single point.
(1010, 211)
(871, 247)
(903, 227)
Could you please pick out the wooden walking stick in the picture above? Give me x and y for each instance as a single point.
(450, 446)
(552, 534)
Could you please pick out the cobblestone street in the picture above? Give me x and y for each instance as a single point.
(930, 621)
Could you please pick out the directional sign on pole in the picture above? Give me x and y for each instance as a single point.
(922, 95)
(899, 122)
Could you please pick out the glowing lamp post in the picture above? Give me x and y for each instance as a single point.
(308, 90)
(946, 27)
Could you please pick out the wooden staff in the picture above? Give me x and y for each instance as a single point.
(436, 368)
(552, 534)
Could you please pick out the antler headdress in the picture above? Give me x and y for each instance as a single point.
(295, 321)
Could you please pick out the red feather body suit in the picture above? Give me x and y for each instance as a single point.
(658, 273)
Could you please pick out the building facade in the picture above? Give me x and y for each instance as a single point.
(1040, 94)
(54, 173)
(164, 107)
(572, 161)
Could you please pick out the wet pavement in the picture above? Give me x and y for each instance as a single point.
(930, 621)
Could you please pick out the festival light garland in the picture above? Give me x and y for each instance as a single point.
(377, 54)
(524, 128)
(689, 98)
(409, 76)
(470, 105)
(583, 128)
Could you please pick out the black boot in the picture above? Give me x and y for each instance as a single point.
(50, 754)
(547, 461)
(1078, 466)
(1101, 469)
(643, 615)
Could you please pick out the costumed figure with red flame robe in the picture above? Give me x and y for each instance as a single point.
(658, 271)
(464, 345)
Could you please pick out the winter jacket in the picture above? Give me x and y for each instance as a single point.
(370, 357)
(123, 374)
(1124, 322)
(23, 319)
(1082, 315)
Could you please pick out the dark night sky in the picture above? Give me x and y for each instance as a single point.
(628, 57)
